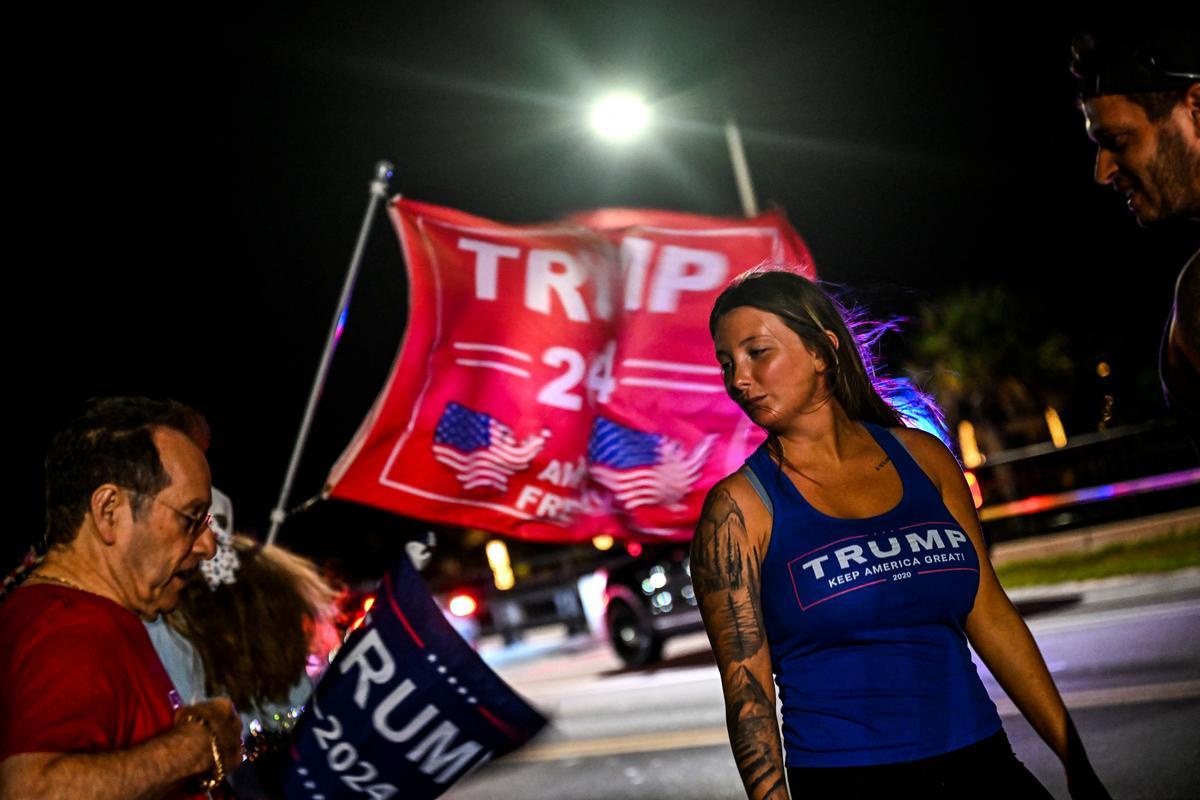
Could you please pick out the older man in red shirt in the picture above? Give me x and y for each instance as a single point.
(88, 709)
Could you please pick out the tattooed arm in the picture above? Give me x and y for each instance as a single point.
(726, 570)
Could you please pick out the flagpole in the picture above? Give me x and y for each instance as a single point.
(378, 191)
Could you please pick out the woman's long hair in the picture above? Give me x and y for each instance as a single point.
(856, 382)
(254, 636)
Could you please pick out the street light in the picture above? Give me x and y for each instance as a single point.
(622, 116)
(619, 116)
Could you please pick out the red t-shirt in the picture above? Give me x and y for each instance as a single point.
(78, 674)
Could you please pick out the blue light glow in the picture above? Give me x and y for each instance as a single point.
(341, 325)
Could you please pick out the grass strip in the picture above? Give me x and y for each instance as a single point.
(1160, 554)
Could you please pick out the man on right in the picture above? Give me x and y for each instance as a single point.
(1139, 90)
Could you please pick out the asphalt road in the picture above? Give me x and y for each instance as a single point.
(1125, 654)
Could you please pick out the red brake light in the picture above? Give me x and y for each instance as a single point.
(462, 605)
(976, 493)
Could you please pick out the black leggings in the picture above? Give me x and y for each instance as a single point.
(981, 771)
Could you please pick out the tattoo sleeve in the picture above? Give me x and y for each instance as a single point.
(726, 575)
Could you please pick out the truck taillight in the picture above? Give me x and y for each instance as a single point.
(463, 605)
(973, 484)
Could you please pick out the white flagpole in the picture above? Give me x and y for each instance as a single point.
(378, 191)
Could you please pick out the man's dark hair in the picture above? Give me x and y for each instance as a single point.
(1151, 66)
(110, 442)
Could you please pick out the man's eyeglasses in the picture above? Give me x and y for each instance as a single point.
(196, 524)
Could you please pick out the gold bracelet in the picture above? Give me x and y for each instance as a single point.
(208, 784)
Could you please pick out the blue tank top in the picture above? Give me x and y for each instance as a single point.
(864, 619)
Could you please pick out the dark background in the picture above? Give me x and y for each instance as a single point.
(194, 182)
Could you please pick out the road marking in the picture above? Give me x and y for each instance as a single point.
(619, 745)
(551, 689)
(1100, 619)
(714, 736)
(1116, 696)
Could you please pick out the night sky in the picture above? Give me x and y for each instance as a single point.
(196, 180)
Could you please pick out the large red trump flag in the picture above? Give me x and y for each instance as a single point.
(558, 381)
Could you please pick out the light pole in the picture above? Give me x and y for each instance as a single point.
(741, 169)
(623, 116)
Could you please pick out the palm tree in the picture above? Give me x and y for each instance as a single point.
(985, 357)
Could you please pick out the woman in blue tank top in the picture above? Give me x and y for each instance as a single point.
(845, 558)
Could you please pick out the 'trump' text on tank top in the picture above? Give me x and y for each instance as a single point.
(864, 618)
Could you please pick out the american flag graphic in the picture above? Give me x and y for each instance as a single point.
(643, 469)
(480, 450)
